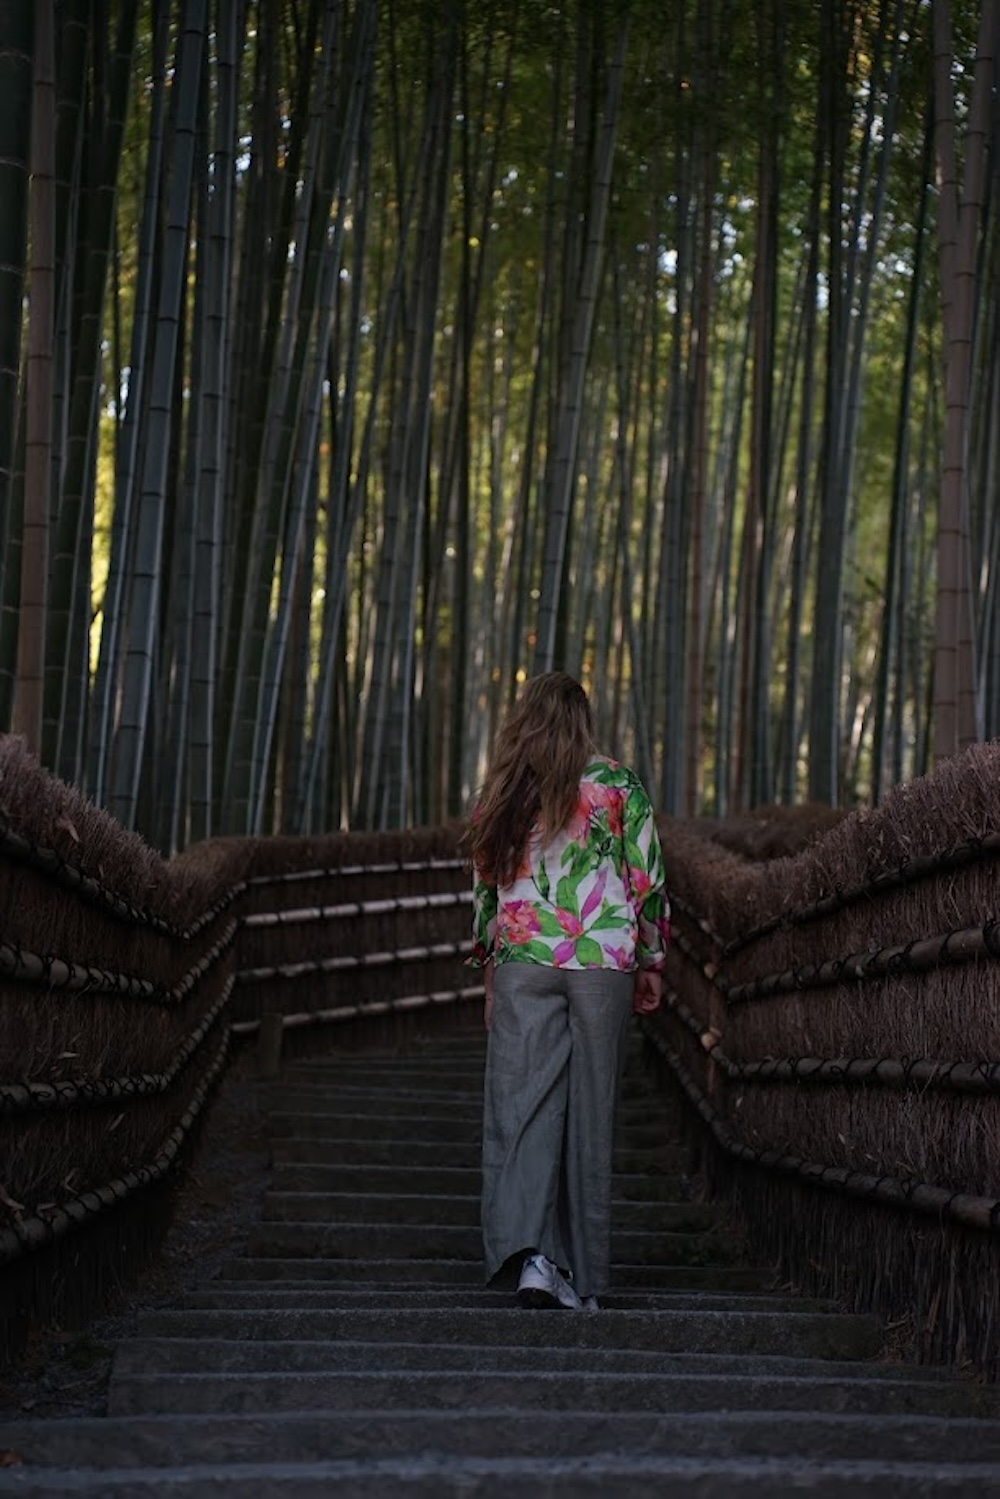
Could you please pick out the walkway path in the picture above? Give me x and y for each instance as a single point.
(352, 1349)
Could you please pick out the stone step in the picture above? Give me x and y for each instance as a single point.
(153, 1355)
(833, 1335)
(468, 1036)
(464, 1209)
(410, 1122)
(442, 1088)
(434, 1061)
(607, 1477)
(379, 1089)
(402, 1080)
(355, 1350)
(404, 1071)
(361, 1390)
(291, 1177)
(639, 1122)
(400, 1128)
(354, 1240)
(380, 1104)
(433, 1070)
(367, 1151)
(253, 1295)
(464, 1273)
(402, 1151)
(308, 1438)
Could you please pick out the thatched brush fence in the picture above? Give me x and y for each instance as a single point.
(832, 1027)
(126, 984)
(833, 1019)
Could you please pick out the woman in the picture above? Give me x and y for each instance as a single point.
(570, 926)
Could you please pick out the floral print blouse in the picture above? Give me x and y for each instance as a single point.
(593, 897)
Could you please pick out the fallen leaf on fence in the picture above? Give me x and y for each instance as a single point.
(8, 1201)
(9, 1458)
(67, 827)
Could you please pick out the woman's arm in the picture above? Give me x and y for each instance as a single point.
(489, 969)
(647, 878)
(484, 921)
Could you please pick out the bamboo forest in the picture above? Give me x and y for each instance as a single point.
(359, 360)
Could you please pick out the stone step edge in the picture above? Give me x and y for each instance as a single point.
(595, 1471)
(772, 1366)
(152, 1429)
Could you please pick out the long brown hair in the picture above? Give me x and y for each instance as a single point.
(538, 758)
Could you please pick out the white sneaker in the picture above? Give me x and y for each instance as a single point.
(543, 1284)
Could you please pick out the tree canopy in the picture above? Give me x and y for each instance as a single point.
(373, 357)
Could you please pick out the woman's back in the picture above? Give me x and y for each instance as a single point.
(575, 899)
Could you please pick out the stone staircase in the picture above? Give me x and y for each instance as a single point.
(353, 1350)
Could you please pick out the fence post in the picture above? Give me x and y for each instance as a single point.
(269, 1042)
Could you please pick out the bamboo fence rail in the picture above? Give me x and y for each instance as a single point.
(32, 1231)
(923, 1197)
(832, 1024)
(832, 1021)
(109, 955)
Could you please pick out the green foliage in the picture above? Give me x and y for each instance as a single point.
(450, 169)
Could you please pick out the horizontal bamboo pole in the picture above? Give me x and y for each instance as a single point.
(382, 907)
(962, 945)
(27, 1234)
(981, 1213)
(60, 870)
(363, 1010)
(708, 967)
(46, 861)
(942, 949)
(350, 961)
(961, 855)
(679, 906)
(75, 1093)
(917, 1072)
(61, 974)
(347, 871)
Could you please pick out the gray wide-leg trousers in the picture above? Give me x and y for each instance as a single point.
(553, 1069)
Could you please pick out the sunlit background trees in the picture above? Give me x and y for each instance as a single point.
(375, 356)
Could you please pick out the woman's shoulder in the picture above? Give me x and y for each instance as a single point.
(609, 772)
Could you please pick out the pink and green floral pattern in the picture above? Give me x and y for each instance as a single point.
(594, 897)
